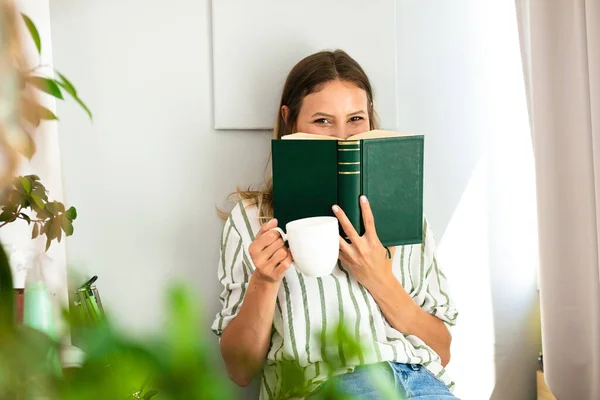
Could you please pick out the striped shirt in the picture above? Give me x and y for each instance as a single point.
(307, 308)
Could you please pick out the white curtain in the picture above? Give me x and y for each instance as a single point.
(560, 42)
(16, 237)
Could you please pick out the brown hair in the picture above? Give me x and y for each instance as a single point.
(308, 76)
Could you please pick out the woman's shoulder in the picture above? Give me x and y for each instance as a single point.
(244, 219)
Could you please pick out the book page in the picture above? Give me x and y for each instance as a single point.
(377, 134)
(374, 134)
(309, 136)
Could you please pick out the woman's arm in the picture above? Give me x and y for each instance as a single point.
(367, 259)
(407, 317)
(246, 340)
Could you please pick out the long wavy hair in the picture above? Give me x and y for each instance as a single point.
(308, 76)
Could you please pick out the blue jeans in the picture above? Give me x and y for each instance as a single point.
(384, 381)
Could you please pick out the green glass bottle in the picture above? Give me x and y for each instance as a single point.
(37, 306)
(38, 312)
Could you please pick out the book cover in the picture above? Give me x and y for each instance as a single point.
(313, 172)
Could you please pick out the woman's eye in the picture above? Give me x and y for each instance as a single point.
(355, 119)
(321, 121)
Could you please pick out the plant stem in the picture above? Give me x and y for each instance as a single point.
(32, 220)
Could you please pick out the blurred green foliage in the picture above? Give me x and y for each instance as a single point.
(178, 364)
(175, 365)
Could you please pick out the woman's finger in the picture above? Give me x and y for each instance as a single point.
(278, 256)
(266, 228)
(346, 259)
(265, 247)
(346, 224)
(272, 248)
(368, 218)
(283, 266)
(267, 240)
(346, 247)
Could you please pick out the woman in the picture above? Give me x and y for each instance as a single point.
(397, 308)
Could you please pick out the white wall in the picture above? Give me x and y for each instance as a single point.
(146, 175)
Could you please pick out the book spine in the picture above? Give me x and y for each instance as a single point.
(349, 169)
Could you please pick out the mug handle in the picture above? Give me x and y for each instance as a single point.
(284, 237)
(281, 232)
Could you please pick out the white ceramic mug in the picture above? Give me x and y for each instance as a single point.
(314, 243)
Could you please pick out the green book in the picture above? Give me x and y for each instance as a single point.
(313, 172)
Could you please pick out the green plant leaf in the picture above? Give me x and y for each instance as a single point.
(6, 216)
(70, 88)
(7, 297)
(35, 207)
(39, 190)
(50, 233)
(34, 113)
(60, 206)
(51, 207)
(46, 85)
(46, 115)
(67, 226)
(36, 231)
(66, 84)
(9, 208)
(25, 217)
(71, 213)
(19, 186)
(35, 35)
(45, 227)
(57, 227)
(150, 394)
(43, 214)
(38, 201)
(26, 184)
(85, 107)
(183, 319)
(32, 182)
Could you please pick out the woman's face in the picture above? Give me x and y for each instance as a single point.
(339, 109)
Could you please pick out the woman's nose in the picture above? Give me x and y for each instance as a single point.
(342, 132)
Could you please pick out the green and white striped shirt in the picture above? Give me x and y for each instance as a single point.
(308, 307)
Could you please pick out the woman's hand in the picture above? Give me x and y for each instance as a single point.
(269, 254)
(365, 256)
(367, 259)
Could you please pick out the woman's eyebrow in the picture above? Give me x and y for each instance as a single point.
(321, 114)
(356, 113)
